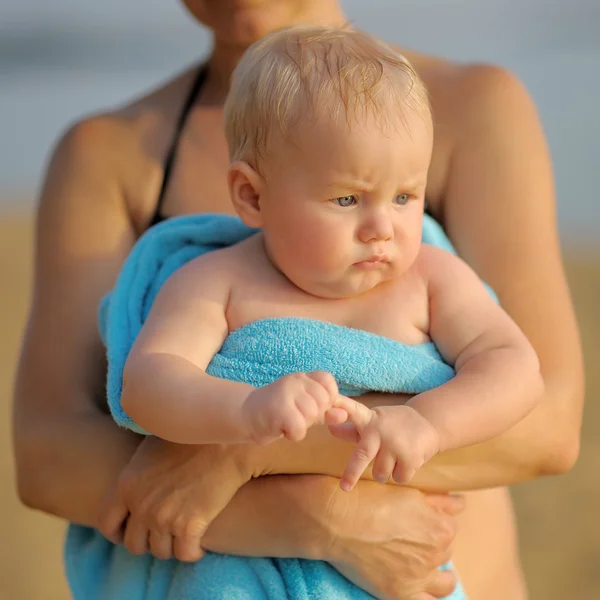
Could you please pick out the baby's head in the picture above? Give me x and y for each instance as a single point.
(330, 136)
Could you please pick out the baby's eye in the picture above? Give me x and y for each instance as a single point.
(345, 201)
(402, 199)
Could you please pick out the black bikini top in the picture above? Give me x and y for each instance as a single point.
(197, 84)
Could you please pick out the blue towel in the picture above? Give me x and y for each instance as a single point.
(257, 353)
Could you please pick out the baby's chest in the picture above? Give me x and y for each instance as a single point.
(403, 318)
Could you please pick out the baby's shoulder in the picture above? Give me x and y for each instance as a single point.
(436, 264)
(204, 274)
(222, 262)
(441, 270)
(225, 264)
(431, 257)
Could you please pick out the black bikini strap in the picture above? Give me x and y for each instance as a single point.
(172, 153)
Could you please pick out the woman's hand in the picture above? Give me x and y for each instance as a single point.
(391, 540)
(388, 540)
(168, 494)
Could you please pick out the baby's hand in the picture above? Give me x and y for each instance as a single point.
(289, 406)
(397, 437)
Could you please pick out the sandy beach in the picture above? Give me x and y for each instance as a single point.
(558, 520)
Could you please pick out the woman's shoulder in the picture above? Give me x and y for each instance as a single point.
(145, 119)
(160, 103)
(455, 86)
(126, 144)
(468, 101)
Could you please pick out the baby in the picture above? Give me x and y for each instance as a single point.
(330, 135)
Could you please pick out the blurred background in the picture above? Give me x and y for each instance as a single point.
(63, 59)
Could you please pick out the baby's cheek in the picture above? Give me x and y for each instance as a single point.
(324, 252)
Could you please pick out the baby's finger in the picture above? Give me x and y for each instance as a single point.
(294, 427)
(403, 472)
(327, 380)
(317, 395)
(383, 466)
(309, 409)
(265, 440)
(346, 432)
(335, 416)
(358, 413)
(362, 456)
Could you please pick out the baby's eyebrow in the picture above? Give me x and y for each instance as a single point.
(411, 185)
(352, 184)
(414, 184)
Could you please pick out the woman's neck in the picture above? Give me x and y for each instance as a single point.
(226, 52)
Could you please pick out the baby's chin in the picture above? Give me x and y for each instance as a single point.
(351, 286)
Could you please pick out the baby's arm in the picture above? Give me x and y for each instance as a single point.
(497, 383)
(498, 380)
(166, 390)
(168, 393)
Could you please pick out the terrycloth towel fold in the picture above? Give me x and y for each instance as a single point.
(263, 351)
(257, 353)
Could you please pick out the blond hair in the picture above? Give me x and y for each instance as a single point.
(304, 72)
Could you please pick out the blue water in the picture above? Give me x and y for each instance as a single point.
(63, 59)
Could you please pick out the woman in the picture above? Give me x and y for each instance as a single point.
(490, 185)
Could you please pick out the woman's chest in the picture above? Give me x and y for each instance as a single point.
(198, 180)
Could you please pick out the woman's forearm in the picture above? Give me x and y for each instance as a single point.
(515, 456)
(530, 449)
(369, 536)
(67, 465)
(67, 468)
(283, 516)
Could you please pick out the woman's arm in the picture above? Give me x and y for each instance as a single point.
(390, 557)
(499, 211)
(63, 443)
(177, 500)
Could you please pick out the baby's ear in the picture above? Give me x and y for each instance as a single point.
(245, 185)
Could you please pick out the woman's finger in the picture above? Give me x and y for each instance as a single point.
(451, 504)
(113, 521)
(441, 584)
(445, 557)
(136, 537)
(187, 548)
(161, 544)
